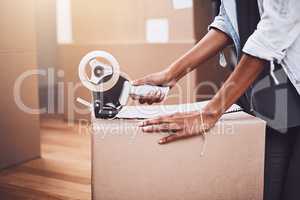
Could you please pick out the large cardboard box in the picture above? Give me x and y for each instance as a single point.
(19, 134)
(130, 165)
(20, 131)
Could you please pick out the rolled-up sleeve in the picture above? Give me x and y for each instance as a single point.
(277, 30)
(220, 22)
(223, 23)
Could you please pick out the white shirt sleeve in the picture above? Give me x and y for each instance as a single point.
(220, 23)
(277, 30)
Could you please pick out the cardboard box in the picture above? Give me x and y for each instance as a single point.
(130, 165)
(19, 135)
(20, 131)
(17, 24)
(100, 21)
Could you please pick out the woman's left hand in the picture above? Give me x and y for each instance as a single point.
(180, 125)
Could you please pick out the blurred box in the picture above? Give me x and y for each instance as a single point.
(121, 30)
(17, 26)
(100, 21)
(120, 27)
(129, 165)
(20, 131)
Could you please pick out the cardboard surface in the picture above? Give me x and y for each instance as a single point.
(19, 134)
(100, 21)
(181, 22)
(17, 24)
(182, 4)
(130, 165)
(20, 137)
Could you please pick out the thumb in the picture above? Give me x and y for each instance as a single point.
(141, 81)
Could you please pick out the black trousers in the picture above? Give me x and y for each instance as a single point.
(282, 165)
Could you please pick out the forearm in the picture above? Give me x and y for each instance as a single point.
(242, 77)
(212, 43)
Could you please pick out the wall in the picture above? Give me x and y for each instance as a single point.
(19, 135)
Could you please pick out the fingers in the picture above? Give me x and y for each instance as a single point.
(155, 121)
(182, 125)
(159, 120)
(152, 97)
(166, 127)
(140, 81)
(168, 139)
(181, 134)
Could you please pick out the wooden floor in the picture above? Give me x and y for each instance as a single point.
(63, 172)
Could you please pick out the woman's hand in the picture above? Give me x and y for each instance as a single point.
(180, 125)
(156, 79)
(209, 46)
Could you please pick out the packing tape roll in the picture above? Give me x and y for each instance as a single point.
(103, 86)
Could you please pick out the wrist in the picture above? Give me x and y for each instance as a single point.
(212, 110)
(175, 70)
(169, 76)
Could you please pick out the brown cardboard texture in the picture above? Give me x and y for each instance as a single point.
(104, 22)
(20, 137)
(17, 24)
(130, 165)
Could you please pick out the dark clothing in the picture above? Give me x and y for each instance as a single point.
(279, 105)
(282, 165)
(248, 18)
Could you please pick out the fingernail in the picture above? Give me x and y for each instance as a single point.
(140, 124)
(161, 141)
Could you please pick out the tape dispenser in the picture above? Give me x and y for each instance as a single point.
(100, 72)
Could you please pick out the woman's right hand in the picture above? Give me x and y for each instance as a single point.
(156, 79)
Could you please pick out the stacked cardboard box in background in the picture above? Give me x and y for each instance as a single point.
(97, 22)
(120, 27)
(144, 36)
